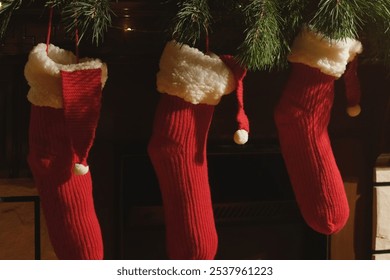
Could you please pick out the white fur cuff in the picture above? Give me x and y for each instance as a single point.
(43, 73)
(329, 56)
(193, 76)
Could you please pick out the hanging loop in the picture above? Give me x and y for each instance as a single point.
(49, 29)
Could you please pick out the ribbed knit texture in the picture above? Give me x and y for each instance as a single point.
(178, 152)
(81, 92)
(302, 118)
(67, 199)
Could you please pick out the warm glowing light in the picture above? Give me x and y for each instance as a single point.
(129, 29)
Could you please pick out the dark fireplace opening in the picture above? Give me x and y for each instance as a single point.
(255, 210)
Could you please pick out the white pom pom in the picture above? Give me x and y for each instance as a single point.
(241, 136)
(80, 169)
(354, 110)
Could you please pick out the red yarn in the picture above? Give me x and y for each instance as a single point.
(57, 139)
(82, 102)
(66, 199)
(302, 118)
(177, 150)
(239, 73)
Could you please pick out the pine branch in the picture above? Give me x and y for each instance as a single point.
(295, 14)
(191, 21)
(368, 21)
(264, 46)
(339, 19)
(6, 10)
(270, 25)
(90, 18)
(56, 3)
(381, 24)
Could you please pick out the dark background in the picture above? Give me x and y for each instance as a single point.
(254, 206)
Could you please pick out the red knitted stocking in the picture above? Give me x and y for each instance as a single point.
(58, 139)
(178, 153)
(66, 198)
(302, 118)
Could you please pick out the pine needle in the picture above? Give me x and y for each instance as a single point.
(91, 18)
(6, 10)
(264, 46)
(191, 21)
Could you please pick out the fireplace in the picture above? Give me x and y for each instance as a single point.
(254, 207)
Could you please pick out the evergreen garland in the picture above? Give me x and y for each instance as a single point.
(194, 16)
(6, 10)
(269, 25)
(263, 35)
(90, 18)
(339, 19)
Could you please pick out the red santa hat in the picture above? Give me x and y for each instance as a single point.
(239, 72)
(57, 79)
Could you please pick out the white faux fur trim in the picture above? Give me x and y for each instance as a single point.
(43, 73)
(193, 76)
(329, 56)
